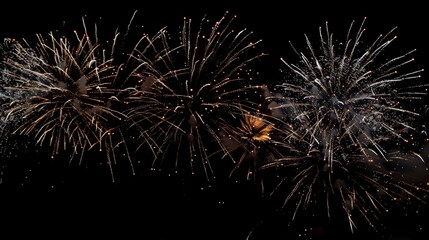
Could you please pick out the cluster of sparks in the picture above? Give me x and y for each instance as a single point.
(331, 131)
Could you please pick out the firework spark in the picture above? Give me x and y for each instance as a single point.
(58, 91)
(188, 92)
(351, 108)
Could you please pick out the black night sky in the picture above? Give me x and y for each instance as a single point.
(43, 197)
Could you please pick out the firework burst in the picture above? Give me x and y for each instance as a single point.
(58, 91)
(186, 93)
(255, 142)
(249, 136)
(352, 109)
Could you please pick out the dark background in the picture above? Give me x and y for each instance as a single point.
(55, 198)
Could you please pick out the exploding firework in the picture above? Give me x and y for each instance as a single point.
(256, 141)
(187, 93)
(352, 108)
(249, 136)
(58, 91)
